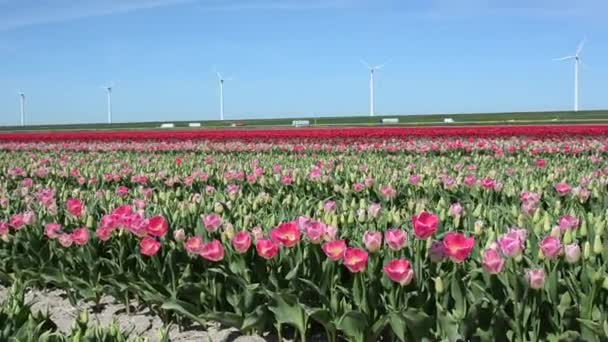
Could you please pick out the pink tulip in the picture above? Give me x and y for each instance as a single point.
(287, 234)
(52, 230)
(511, 244)
(329, 206)
(399, 271)
(257, 233)
(194, 245)
(75, 207)
(358, 187)
(395, 239)
(536, 278)
(179, 235)
(425, 225)
(330, 233)
(562, 188)
(455, 209)
(572, 253)
(355, 259)
(80, 236)
(374, 210)
(568, 222)
(149, 246)
(315, 232)
(551, 247)
(372, 241)
(414, 179)
(17, 222)
(334, 249)
(65, 240)
(3, 228)
(157, 226)
(492, 261)
(457, 247)
(267, 248)
(213, 251)
(122, 191)
(103, 233)
(241, 242)
(388, 192)
(212, 222)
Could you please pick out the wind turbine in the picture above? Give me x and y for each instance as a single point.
(22, 105)
(372, 71)
(108, 89)
(577, 61)
(221, 81)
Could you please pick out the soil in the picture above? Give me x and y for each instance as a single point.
(141, 323)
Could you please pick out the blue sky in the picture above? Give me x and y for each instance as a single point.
(295, 57)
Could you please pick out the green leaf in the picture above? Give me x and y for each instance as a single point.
(419, 324)
(397, 323)
(185, 309)
(287, 310)
(354, 324)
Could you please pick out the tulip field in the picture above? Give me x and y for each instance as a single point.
(494, 234)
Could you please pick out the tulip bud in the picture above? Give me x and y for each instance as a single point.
(597, 245)
(540, 255)
(556, 231)
(228, 231)
(439, 285)
(179, 235)
(478, 228)
(582, 231)
(361, 215)
(567, 236)
(546, 222)
(572, 253)
(586, 250)
(218, 208)
(83, 318)
(605, 283)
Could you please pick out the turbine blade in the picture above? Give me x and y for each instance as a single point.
(381, 65)
(580, 46)
(219, 76)
(564, 58)
(365, 63)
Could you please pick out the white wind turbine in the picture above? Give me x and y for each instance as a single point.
(221, 81)
(22, 107)
(577, 61)
(108, 89)
(372, 70)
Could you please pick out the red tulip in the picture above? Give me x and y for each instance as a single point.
(457, 247)
(287, 234)
(355, 259)
(425, 225)
(334, 249)
(267, 248)
(157, 226)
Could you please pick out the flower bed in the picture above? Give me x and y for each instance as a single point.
(444, 238)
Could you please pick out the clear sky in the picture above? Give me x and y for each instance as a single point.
(292, 57)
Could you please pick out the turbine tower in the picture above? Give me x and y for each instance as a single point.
(108, 89)
(577, 61)
(221, 81)
(372, 70)
(22, 105)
